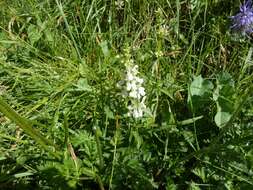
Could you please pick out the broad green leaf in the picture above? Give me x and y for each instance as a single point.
(221, 118)
(200, 86)
(224, 98)
(225, 86)
(105, 49)
(200, 92)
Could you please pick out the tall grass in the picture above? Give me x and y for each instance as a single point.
(64, 122)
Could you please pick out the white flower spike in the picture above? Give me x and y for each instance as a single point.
(133, 89)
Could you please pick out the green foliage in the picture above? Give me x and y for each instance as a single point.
(199, 92)
(63, 117)
(224, 98)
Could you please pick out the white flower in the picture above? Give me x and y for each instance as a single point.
(137, 113)
(133, 89)
(129, 76)
(163, 30)
(129, 62)
(137, 109)
(131, 85)
(159, 54)
(142, 91)
(139, 80)
(133, 94)
(135, 70)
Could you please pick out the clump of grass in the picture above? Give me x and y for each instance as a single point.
(64, 122)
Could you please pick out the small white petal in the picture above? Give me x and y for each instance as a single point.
(135, 70)
(128, 86)
(130, 107)
(143, 102)
(134, 86)
(133, 94)
(129, 76)
(143, 106)
(142, 91)
(139, 80)
(137, 113)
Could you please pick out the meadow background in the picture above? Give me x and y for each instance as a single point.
(63, 119)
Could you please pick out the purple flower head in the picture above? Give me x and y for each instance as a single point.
(243, 21)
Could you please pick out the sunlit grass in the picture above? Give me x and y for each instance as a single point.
(67, 126)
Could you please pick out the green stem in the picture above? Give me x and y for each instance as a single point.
(59, 5)
(100, 183)
(114, 151)
(101, 160)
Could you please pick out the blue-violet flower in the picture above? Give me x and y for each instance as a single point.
(243, 21)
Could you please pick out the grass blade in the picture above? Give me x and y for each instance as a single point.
(26, 126)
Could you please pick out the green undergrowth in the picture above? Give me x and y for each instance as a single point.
(63, 119)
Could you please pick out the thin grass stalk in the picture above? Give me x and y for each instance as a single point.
(27, 127)
(116, 136)
(59, 5)
(101, 160)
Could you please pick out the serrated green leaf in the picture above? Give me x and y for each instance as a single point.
(88, 172)
(33, 34)
(82, 85)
